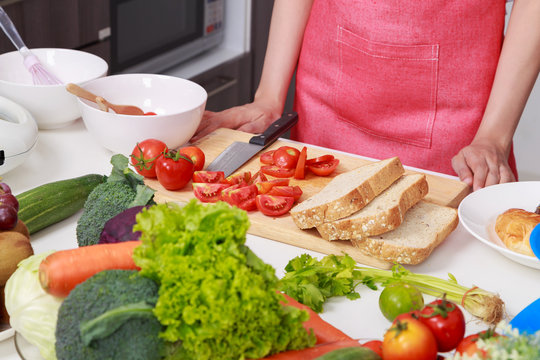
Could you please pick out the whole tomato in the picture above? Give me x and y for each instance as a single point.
(195, 154)
(399, 298)
(144, 156)
(409, 339)
(174, 170)
(446, 321)
(468, 346)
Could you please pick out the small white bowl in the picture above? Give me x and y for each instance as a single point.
(18, 134)
(51, 105)
(178, 103)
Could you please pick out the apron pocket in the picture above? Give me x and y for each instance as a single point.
(387, 90)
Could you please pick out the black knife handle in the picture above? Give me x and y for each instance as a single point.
(275, 130)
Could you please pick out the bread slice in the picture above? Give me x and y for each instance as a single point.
(426, 225)
(347, 193)
(384, 213)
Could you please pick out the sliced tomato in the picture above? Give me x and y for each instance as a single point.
(300, 171)
(208, 192)
(208, 177)
(292, 191)
(258, 177)
(324, 168)
(320, 159)
(286, 157)
(240, 196)
(265, 186)
(238, 178)
(267, 157)
(277, 171)
(274, 205)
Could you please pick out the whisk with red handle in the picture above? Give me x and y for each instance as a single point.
(40, 76)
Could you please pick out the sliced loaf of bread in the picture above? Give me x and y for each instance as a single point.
(426, 225)
(384, 213)
(347, 193)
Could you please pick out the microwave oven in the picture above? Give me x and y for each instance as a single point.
(152, 36)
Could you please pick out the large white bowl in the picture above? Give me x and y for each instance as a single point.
(178, 103)
(51, 105)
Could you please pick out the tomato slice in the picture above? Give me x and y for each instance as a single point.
(274, 205)
(267, 157)
(243, 177)
(208, 176)
(300, 171)
(324, 168)
(320, 159)
(265, 186)
(286, 157)
(208, 192)
(277, 171)
(258, 177)
(291, 191)
(241, 196)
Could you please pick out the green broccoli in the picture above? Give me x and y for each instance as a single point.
(122, 190)
(110, 316)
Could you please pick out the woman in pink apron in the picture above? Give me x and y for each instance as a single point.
(426, 81)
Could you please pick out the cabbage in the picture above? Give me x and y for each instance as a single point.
(32, 311)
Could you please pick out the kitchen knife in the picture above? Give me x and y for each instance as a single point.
(238, 153)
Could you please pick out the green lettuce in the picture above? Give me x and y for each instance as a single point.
(217, 299)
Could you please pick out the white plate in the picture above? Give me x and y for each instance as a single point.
(6, 334)
(479, 210)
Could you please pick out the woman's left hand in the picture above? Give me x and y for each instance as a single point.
(482, 163)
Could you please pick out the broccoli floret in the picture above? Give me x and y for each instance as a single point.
(121, 334)
(104, 202)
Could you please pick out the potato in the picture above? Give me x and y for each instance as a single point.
(20, 227)
(14, 247)
(4, 316)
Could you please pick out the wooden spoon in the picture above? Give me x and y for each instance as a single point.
(102, 103)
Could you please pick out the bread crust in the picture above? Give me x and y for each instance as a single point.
(359, 225)
(514, 227)
(306, 216)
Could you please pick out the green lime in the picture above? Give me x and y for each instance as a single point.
(400, 298)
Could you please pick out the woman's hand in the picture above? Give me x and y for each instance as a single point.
(254, 118)
(482, 163)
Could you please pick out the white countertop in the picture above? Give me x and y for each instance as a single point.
(70, 152)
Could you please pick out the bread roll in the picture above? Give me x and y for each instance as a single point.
(514, 228)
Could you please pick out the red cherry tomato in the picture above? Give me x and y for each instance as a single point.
(300, 171)
(324, 168)
(320, 159)
(144, 156)
(266, 186)
(208, 177)
(277, 171)
(240, 196)
(267, 157)
(150, 113)
(208, 192)
(238, 178)
(292, 191)
(174, 170)
(446, 321)
(274, 205)
(195, 154)
(468, 345)
(409, 340)
(286, 157)
(375, 345)
(258, 177)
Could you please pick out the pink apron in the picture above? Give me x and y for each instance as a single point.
(383, 78)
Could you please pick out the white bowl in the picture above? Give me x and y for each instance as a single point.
(18, 134)
(51, 105)
(178, 103)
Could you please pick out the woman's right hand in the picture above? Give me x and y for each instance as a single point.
(253, 117)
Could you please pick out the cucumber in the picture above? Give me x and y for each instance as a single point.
(50, 203)
(350, 353)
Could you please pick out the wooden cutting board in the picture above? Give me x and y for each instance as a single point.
(442, 190)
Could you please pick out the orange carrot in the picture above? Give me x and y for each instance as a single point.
(313, 352)
(324, 332)
(61, 271)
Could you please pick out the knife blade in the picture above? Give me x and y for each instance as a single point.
(238, 153)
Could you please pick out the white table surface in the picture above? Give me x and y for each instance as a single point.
(70, 152)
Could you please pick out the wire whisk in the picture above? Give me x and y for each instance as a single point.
(40, 76)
